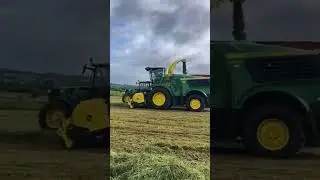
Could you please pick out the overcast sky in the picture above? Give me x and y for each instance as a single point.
(271, 20)
(60, 35)
(152, 32)
(52, 35)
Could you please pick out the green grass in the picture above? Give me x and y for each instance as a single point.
(20, 101)
(116, 93)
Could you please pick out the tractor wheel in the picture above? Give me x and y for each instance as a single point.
(160, 98)
(195, 103)
(51, 115)
(273, 130)
(125, 98)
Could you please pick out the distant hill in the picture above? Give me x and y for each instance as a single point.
(121, 87)
(14, 80)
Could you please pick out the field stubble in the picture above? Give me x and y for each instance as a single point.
(176, 140)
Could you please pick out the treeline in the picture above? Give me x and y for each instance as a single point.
(120, 87)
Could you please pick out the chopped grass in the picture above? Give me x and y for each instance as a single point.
(154, 144)
(150, 166)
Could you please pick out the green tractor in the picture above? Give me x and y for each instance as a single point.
(265, 96)
(63, 100)
(166, 90)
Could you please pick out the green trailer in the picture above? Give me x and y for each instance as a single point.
(166, 90)
(266, 96)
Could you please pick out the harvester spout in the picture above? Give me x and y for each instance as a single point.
(172, 66)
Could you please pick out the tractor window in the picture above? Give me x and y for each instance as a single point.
(101, 76)
(89, 76)
(155, 75)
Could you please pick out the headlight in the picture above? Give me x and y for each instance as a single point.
(49, 91)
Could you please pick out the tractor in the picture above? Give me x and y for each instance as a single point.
(80, 115)
(62, 101)
(266, 97)
(166, 90)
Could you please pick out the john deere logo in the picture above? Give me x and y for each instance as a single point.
(89, 117)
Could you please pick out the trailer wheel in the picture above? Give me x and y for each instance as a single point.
(273, 130)
(160, 98)
(195, 103)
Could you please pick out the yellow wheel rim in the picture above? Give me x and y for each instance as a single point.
(195, 104)
(158, 99)
(54, 119)
(273, 134)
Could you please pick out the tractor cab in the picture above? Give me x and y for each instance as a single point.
(156, 74)
(98, 73)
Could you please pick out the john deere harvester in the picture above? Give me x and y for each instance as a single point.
(62, 101)
(266, 96)
(80, 115)
(166, 90)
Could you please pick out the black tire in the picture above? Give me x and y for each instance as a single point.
(105, 140)
(289, 116)
(42, 117)
(195, 97)
(168, 101)
(123, 98)
(43, 113)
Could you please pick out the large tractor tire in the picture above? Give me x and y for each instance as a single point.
(51, 115)
(160, 98)
(87, 127)
(125, 98)
(274, 130)
(195, 102)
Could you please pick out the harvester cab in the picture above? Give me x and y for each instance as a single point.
(156, 74)
(79, 114)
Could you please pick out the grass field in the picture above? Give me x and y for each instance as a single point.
(156, 143)
(153, 144)
(145, 144)
(28, 153)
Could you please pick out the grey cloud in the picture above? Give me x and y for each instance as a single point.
(271, 20)
(183, 26)
(54, 36)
